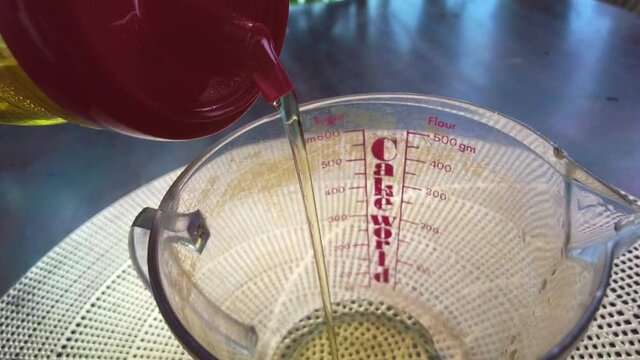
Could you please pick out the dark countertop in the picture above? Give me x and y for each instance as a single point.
(569, 69)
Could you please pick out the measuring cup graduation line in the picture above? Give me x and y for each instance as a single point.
(402, 204)
(410, 222)
(365, 187)
(409, 132)
(416, 160)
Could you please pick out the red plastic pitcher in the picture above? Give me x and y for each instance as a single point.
(163, 69)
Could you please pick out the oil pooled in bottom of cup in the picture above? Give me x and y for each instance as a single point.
(364, 330)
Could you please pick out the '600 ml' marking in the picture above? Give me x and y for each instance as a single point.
(326, 135)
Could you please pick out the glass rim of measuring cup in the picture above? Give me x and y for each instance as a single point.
(529, 137)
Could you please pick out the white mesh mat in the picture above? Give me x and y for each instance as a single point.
(83, 300)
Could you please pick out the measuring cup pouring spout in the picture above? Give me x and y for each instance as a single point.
(601, 218)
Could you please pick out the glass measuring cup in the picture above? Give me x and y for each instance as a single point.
(461, 232)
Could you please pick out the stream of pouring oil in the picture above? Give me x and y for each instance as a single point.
(293, 126)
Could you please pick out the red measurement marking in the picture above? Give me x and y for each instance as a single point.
(365, 187)
(334, 191)
(430, 228)
(331, 163)
(366, 196)
(404, 175)
(403, 263)
(410, 222)
(436, 194)
(342, 248)
(434, 121)
(321, 136)
(423, 269)
(328, 120)
(439, 165)
(411, 187)
(415, 133)
(337, 218)
(448, 140)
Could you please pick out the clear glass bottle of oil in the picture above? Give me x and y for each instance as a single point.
(21, 102)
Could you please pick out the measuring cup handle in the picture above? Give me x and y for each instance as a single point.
(139, 243)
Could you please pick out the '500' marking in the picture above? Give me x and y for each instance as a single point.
(331, 163)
